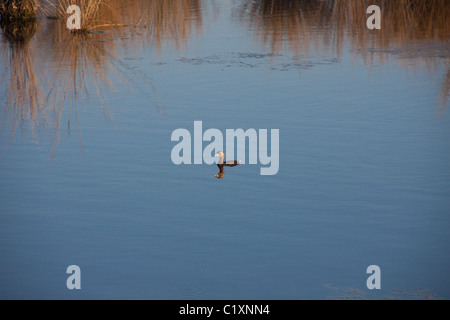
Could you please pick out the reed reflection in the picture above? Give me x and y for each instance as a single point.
(158, 21)
(287, 24)
(293, 23)
(24, 93)
(414, 29)
(51, 69)
(446, 90)
(82, 65)
(46, 82)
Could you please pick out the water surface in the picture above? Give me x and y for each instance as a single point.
(86, 176)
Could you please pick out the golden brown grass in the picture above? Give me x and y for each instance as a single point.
(18, 19)
(91, 11)
(152, 21)
(18, 10)
(19, 31)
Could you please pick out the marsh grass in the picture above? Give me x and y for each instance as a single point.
(91, 12)
(19, 31)
(18, 10)
(18, 19)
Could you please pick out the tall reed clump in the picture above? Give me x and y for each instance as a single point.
(18, 19)
(18, 10)
(90, 11)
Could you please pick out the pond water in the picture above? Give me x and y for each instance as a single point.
(87, 179)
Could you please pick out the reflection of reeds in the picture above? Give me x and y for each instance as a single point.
(281, 24)
(24, 93)
(404, 22)
(170, 20)
(292, 22)
(410, 29)
(446, 89)
(18, 23)
(81, 63)
(157, 21)
(77, 57)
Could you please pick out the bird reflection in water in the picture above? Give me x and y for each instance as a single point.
(221, 164)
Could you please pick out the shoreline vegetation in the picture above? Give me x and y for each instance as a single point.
(415, 31)
(18, 10)
(277, 24)
(25, 11)
(403, 20)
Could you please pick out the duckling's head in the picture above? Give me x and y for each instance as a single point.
(220, 154)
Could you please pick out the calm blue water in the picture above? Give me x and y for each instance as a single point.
(364, 174)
